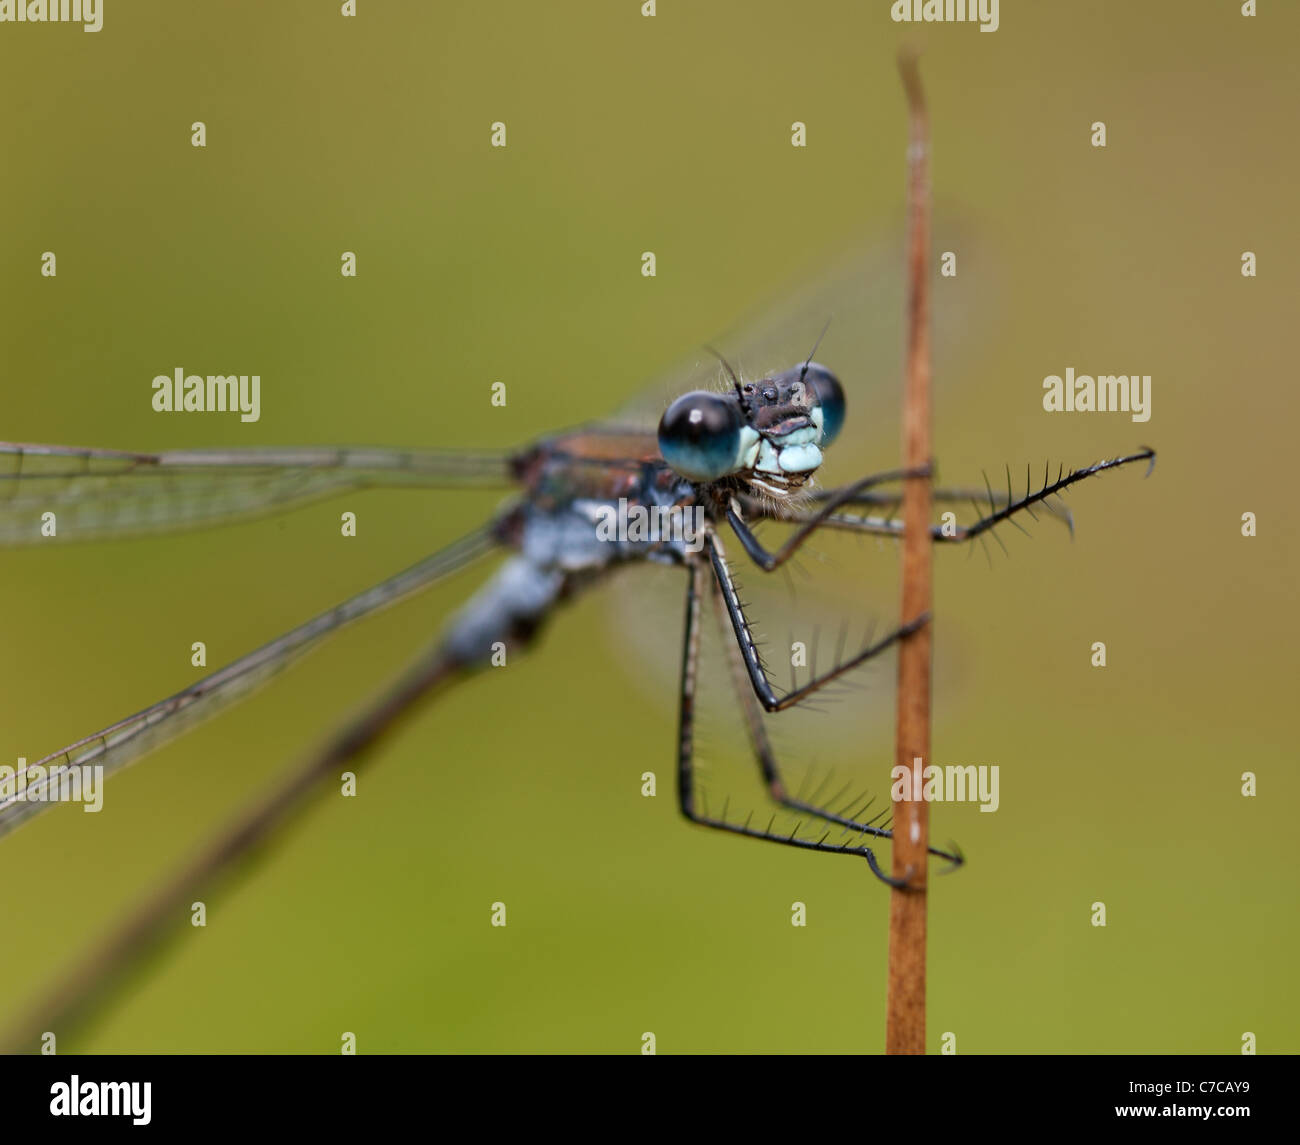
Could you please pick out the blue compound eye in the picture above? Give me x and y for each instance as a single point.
(699, 435)
(830, 396)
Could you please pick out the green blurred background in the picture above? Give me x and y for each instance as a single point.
(476, 265)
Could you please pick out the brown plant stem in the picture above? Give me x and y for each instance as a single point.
(905, 1001)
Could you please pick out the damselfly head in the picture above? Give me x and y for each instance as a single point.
(770, 433)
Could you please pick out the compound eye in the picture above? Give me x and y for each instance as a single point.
(699, 435)
(830, 396)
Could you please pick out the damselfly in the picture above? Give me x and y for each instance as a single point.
(721, 463)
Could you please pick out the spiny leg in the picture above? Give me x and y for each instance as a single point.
(695, 592)
(753, 664)
(769, 561)
(771, 772)
(894, 500)
(1006, 512)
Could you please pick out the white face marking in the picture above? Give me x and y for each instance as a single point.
(782, 490)
(794, 452)
(768, 460)
(800, 458)
(780, 469)
(750, 443)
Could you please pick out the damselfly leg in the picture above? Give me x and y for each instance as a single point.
(769, 768)
(697, 589)
(743, 633)
(1001, 507)
(768, 562)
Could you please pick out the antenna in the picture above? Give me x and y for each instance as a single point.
(812, 353)
(735, 381)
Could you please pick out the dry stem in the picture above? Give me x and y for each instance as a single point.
(905, 1004)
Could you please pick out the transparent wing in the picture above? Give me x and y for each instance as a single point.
(127, 740)
(102, 492)
(853, 299)
(850, 306)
